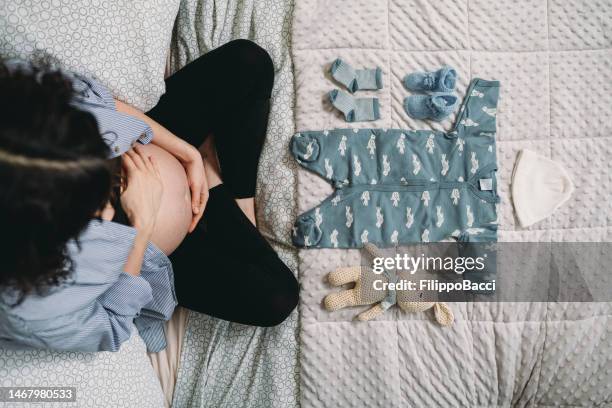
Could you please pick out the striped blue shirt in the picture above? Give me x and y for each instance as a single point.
(96, 308)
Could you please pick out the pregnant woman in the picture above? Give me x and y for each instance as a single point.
(108, 212)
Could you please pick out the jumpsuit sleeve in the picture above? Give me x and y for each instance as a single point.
(312, 150)
(479, 110)
(353, 156)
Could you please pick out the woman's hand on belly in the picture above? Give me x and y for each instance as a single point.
(185, 154)
(175, 212)
(196, 176)
(143, 194)
(141, 200)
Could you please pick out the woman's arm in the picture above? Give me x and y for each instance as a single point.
(180, 149)
(103, 325)
(108, 321)
(188, 155)
(136, 256)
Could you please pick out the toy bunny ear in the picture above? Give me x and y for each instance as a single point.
(344, 275)
(371, 313)
(444, 315)
(374, 250)
(340, 300)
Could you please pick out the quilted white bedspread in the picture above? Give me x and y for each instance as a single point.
(554, 61)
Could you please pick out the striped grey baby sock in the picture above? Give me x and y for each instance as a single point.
(355, 109)
(356, 79)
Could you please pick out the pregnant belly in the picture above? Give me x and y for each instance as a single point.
(175, 214)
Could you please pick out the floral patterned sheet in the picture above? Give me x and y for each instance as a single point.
(225, 364)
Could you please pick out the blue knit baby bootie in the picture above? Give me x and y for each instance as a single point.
(436, 106)
(442, 80)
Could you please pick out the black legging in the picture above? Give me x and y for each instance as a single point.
(225, 92)
(225, 268)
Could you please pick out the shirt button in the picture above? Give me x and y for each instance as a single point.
(142, 136)
(116, 149)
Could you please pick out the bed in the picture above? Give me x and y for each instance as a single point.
(553, 60)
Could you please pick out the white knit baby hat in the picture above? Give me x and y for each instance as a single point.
(539, 187)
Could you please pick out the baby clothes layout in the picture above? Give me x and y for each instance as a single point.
(398, 186)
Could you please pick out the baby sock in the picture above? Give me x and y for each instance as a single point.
(356, 79)
(355, 109)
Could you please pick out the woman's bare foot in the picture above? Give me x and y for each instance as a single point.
(213, 170)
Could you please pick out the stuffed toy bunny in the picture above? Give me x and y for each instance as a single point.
(363, 293)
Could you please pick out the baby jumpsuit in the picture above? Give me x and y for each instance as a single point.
(398, 186)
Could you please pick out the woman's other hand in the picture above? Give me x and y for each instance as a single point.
(198, 184)
(142, 197)
(189, 156)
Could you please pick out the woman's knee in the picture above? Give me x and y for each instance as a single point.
(280, 303)
(254, 62)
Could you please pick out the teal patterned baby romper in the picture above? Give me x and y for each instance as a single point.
(398, 186)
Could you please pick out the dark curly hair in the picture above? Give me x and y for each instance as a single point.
(54, 176)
